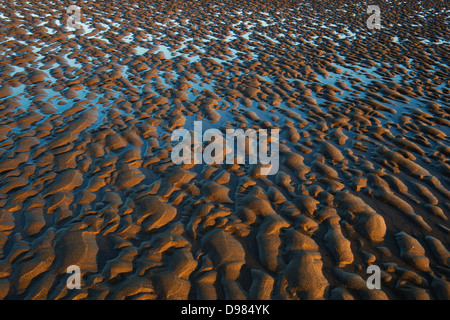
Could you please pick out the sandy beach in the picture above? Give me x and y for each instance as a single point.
(87, 177)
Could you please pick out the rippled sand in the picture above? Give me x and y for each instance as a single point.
(86, 118)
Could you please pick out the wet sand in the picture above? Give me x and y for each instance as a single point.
(86, 118)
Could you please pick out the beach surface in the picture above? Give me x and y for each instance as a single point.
(87, 179)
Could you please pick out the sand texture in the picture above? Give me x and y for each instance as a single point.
(86, 176)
